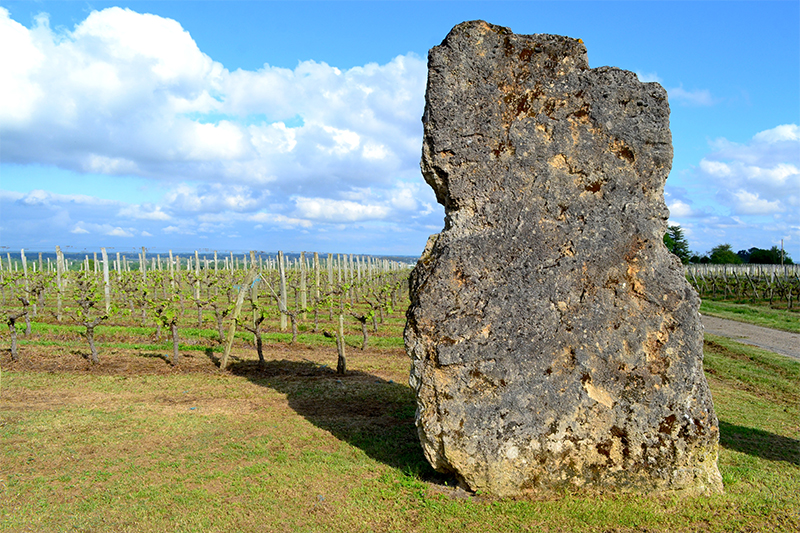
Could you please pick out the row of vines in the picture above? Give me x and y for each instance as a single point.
(778, 285)
(244, 293)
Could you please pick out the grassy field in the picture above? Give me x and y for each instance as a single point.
(760, 315)
(133, 444)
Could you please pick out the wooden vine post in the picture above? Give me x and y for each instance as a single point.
(303, 288)
(197, 287)
(341, 363)
(316, 275)
(171, 272)
(237, 310)
(254, 290)
(59, 279)
(282, 272)
(25, 270)
(106, 285)
(330, 285)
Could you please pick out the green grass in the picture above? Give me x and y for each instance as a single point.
(771, 376)
(390, 336)
(294, 447)
(310, 339)
(753, 314)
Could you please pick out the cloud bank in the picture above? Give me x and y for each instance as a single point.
(127, 94)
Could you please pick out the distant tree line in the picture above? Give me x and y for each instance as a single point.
(721, 254)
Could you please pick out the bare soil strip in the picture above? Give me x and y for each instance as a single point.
(780, 342)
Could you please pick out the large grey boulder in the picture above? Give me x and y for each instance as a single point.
(555, 341)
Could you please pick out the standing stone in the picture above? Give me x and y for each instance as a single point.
(555, 341)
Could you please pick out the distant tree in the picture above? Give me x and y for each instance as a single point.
(768, 257)
(744, 255)
(723, 254)
(676, 243)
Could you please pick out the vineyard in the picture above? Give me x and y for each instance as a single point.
(213, 303)
(199, 302)
(776, 285)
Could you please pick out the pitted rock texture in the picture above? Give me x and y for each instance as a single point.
(555, 342)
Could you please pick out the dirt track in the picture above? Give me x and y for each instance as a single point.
(781, 342)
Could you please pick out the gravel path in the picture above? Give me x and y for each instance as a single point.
(774, 340)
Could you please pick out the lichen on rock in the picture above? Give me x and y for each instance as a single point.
(555, 342)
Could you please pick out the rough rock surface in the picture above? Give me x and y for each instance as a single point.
(555, 342)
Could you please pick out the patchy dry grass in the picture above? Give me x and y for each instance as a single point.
(133, 444)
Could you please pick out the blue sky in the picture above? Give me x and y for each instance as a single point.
(296, 125)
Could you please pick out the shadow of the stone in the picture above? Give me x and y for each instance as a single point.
(759, 443)
(368, 412)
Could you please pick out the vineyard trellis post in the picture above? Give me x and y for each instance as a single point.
(282, 274)
(197, 276)
(243, 290)
(24, 270)
(254, 295)
(316, 275)
(171, 272)
(106, 284)
(303, 289)
(341, 362)
(59, 281)
(330, 285)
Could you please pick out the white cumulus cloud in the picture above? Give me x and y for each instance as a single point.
(755, 187)
(214, 198)
(748, 203)
(647, 77)
(784, 132)
(144, 212)
(697, 97)
(125, 94)
(679, 209)
(758, 177)
(338, 210)
(17, 89)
